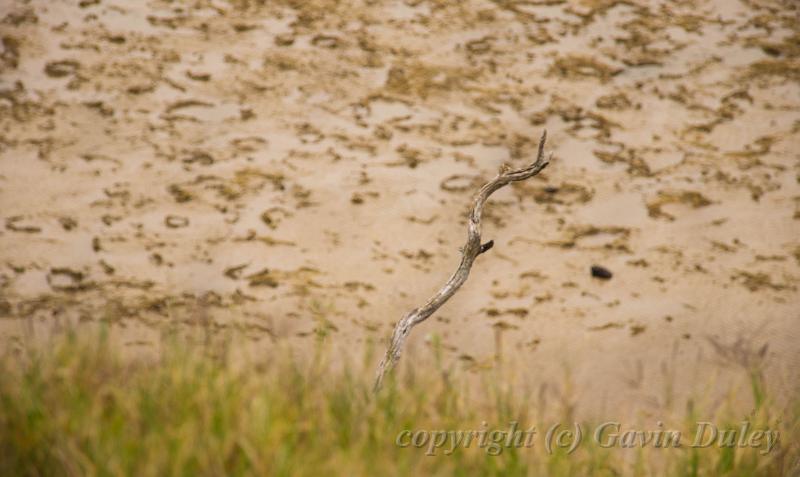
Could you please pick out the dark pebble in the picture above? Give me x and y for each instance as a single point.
(601, 272)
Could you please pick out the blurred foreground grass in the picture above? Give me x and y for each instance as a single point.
(76, 407)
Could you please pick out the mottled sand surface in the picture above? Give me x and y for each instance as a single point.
(294, 169)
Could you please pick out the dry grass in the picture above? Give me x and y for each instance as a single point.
(77, 408)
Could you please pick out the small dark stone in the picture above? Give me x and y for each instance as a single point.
(601, 272)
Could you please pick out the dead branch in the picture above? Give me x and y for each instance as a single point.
(469, 252)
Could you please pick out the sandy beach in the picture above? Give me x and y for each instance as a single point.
(285, 170)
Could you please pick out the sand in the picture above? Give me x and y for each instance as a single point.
(293, 170)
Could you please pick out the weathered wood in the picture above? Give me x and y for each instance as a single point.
(469, 252)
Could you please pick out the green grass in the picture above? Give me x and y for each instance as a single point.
(76, 407)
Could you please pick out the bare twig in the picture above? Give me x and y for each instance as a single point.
(469, 252)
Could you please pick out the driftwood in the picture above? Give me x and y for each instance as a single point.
(469, 252)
